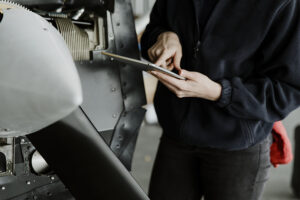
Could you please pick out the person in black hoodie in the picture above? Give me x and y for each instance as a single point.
(242, 64)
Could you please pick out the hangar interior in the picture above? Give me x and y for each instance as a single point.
(117, 112)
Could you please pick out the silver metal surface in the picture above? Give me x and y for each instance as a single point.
(77, 39)
(78, 14)
(101, 105)
(7, 147)
(39, 83)
(5, 4)
(38, 163)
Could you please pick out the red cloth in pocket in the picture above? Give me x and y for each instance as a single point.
(281, 148)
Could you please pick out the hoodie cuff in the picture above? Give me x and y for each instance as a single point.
(226, 93)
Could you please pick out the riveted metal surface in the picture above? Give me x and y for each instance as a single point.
(131, 82)
(125, 135)
(102, 94)
(84, 162)
(126, 45)
(22, 183)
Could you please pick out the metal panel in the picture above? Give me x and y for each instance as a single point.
(102, 93)
(20, 183)
(126, 45)
(132, 84)
(84, 162)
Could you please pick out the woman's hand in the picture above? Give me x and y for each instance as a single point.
(196, 85)
(167, 51)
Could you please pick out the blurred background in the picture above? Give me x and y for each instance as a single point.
(279, 184)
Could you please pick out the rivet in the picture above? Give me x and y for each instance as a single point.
(114, 116)
(28, 182)
(45, 29)
(3, 188)
(111, 59)
(118, 24)
(22, 140)
(113, 89)
(52, 178)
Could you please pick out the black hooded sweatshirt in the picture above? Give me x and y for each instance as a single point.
(252, 48)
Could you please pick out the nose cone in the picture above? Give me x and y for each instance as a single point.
(39, 83)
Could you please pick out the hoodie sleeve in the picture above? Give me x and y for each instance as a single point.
(156, 26)
(273, 91)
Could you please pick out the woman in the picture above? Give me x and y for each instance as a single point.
(242, 64)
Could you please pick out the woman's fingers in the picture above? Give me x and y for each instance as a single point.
(177, 59)
(162, 60)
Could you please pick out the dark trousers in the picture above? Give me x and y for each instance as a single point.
(183, 172)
